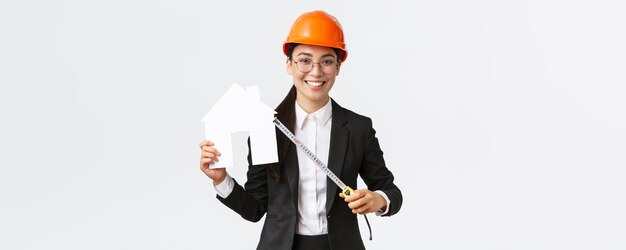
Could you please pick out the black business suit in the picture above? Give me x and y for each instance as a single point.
(354, 150)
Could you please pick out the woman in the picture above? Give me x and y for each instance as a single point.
(305, 210)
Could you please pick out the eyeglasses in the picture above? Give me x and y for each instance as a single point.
(305, 65)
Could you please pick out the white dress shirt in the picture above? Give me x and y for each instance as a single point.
(314, 131)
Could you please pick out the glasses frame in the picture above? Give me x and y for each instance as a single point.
(336, 66)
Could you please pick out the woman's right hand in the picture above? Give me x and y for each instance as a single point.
(208, 156)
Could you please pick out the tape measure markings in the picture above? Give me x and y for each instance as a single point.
(346, 190)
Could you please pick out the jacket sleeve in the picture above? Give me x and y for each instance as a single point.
(249, 202)
(376, 174)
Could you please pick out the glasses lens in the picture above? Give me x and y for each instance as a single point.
(328, 65)
(304, 64)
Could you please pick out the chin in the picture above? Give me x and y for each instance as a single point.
(316, 97)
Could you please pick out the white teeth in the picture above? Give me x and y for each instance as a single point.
(314, 84)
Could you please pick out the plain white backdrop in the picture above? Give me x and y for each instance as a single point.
(503, 121)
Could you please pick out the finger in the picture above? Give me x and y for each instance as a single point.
(211, 149)
(206, 143)
(210, 155)
(361, 211)
(207, 155)
(364, 209)
(357, 203)
(365, 200)
(206, 161)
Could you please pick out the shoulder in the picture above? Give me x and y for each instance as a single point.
(350, 118)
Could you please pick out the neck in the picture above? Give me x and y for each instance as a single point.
(311, 106)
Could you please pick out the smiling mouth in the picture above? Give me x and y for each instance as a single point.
(315, 83)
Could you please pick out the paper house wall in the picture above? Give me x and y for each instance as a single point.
(241, 110)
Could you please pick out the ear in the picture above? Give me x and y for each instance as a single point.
(289, 66)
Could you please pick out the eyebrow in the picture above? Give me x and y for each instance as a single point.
(311, 55)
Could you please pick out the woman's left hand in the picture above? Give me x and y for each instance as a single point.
(363, 201)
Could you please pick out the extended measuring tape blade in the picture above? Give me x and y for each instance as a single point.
(347, 191)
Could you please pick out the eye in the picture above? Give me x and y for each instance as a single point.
(328, 62)
(304, 61)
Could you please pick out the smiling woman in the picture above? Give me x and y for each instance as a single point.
(313, 83)
(305, 209)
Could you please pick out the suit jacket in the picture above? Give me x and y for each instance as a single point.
(354, 150)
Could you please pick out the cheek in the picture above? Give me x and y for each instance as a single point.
(332, 79)
(297, 77)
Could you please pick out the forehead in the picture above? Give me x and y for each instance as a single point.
(312, 50)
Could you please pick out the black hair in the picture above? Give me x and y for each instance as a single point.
(286, 113)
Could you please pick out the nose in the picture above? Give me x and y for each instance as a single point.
(316, 71)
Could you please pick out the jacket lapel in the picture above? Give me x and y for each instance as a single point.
(337, 151)
(292, 171)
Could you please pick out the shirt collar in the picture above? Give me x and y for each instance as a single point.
(322, 115)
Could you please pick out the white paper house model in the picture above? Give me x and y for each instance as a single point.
(241, 110)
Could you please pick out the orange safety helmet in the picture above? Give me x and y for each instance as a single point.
(317, 28)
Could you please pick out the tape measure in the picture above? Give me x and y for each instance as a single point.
(347, 191)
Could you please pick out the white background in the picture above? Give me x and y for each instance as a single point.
(503, 121)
